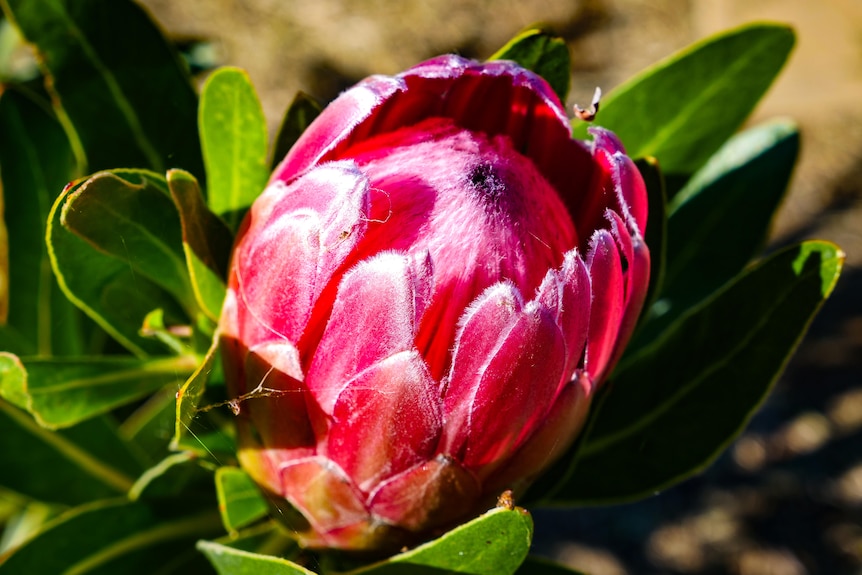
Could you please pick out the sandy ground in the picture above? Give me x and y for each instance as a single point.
(787, 498)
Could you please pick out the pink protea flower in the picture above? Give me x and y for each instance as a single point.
(425, 299)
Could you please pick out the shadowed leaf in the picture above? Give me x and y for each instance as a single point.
(125, 97)
(546, 55)
(700, 381)
(234, 139)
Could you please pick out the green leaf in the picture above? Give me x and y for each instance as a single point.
(720, 220)
(25, 524)
(301, 112)
(13, 380)
(495, 543)
(70, 466)
(230, 561)
(133, 219)
(151, 426)
(677, 403)
(114, 536)
(36, 161)
(682, 109)
(546, 55)
(188, 398)
(656, 231)
(104, 287)
(234, 139)
(267, 538)
(61, 392)
(206, 242)
(178, 475)
(239, 499)
(126, 99)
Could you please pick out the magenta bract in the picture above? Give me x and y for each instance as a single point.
(425, 299)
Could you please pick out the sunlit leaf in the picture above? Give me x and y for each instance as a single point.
(206, 242)
(240, 500)
(495, 543)
(683, 109)
(234, 139)
(230, 561)
(133, 219)
(61, 392)
(106, 287)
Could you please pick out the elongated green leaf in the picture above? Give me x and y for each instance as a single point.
(126, 99)
(114, 536)
(133, 219)
(239, 499)
(151, 427)
(546, 55)
(682, 109)
(678, 402)
(104, 287)
(36, 161)
(656, 232)
(230, 561)
(721, 219)
(64, 391)
(26, 523)
(13, 380)
(494, 544)
(206, 242)
(70, 466)
(233, 134)
(180, 475)
(187, 412)
(267, 538)
(301, 112)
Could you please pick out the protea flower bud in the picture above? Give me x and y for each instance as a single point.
(425, 299)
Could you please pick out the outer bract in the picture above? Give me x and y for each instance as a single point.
(425, 299)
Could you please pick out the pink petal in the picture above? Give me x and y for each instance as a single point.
(567, 293)
(549, 441)
(507, 395)
(608, 306)
(633, 190)
(337, 122)
(323, 493)
(375, 315)
(594, 199)
(431, 494)
(386, 420)
(275, 398)
(482, 326)
(632, 201)
(296, 239)
(637, 264)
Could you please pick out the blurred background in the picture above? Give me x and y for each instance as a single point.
(786, 499)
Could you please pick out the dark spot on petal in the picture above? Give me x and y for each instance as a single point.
(485, 180)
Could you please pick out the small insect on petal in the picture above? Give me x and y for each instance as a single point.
(589, 114)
